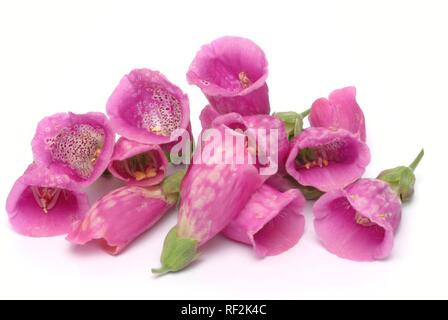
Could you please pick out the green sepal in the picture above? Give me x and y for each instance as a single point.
(402, 179)
(171, 184)
(177, 253)
(293, 121)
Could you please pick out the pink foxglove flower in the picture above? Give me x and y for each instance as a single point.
(138, 164)
(43, 204)
(147, 108)
(339, 111)
(76, 145)
(260, 130)
(211, 196)
(121, 216)
(272, 221)
(327, 159)
(358, 222)
(232, 72)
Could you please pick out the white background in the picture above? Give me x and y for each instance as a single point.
(69, 55)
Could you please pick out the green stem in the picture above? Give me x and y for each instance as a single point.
(416, 161)
(305, 113)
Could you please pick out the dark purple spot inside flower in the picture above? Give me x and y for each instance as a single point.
(155, 108)
(78, 147)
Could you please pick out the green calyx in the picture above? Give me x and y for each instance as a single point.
(177, 253)
(310, 193)
(293, 121)
(171, 184)
(402, 179)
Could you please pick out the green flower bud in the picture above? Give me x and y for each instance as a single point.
(177, 253)
(293, 121)
(402, 178)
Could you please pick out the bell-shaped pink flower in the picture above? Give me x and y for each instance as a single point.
(260, 130)
(358, 222)
(212, 194)
(327, 159)
(76, 145)
(232, 72)
(138, 164)
(339, 111)
(121, 216)
(272, 221)
(43, 204)
(146, 107)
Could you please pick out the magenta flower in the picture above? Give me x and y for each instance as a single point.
(261, 146)
(76, 145)
(232, 72)
(339, 111)
(121, 216)
(326, 159)
(147, 108)
(358, 223)
(272, 221)
(211, 196)
(43, 204)
(138, 164)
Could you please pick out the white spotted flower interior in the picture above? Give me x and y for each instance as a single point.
(77, 145)
(147, 108)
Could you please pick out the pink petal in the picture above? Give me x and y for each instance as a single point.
(125, 149)
(336, 225)
(147, 108)
(340, 111)
(350, 156)
(217, 69)
(272, 221)
(28, 217)
(208, 114)
(213, 194)
(260, 129)
(120, 217)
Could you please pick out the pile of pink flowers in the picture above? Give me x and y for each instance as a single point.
(219, 192)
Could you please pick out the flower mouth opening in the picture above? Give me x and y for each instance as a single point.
(325, 155)
(238, 127)
(78, 147)
(139, 167)
(226, 78)
(46, 198)
(352, 233)
(280, 233)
